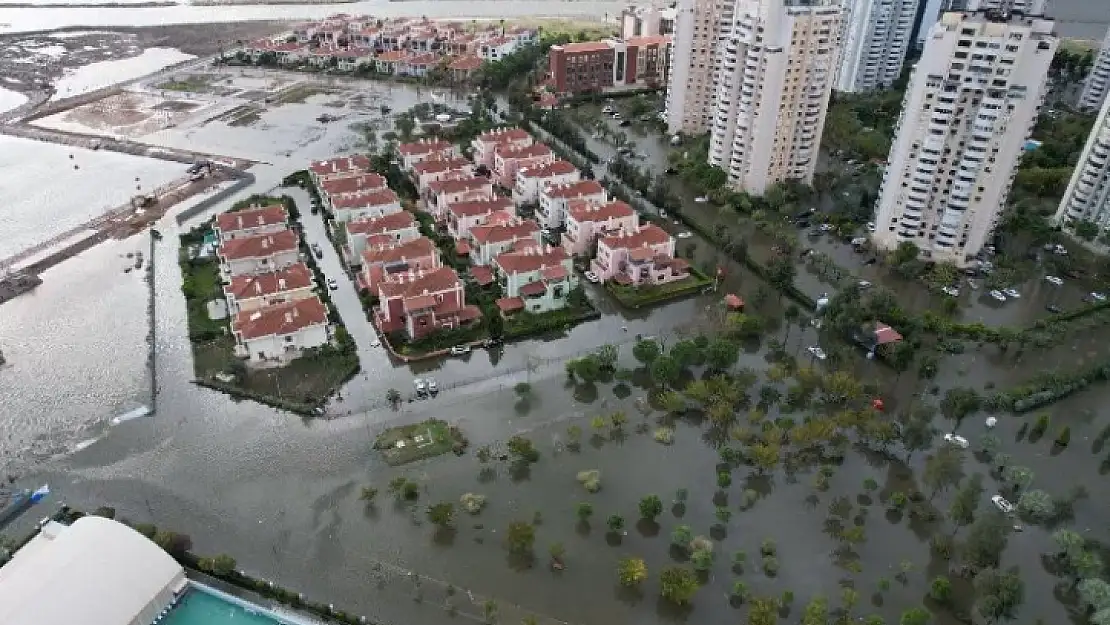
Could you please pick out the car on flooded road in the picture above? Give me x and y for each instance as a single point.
(998, 295)
(1000, 502)
(1054, 280)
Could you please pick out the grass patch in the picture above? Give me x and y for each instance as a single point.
(247, 118)
(196, 83)
(299, 93)
(426, 439)
(524, 324)
(638, 297)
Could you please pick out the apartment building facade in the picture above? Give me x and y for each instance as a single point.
(699, 27)
(970, 106)
(777, 73)
(1088, 195)
(875, 37)
(1097, 84)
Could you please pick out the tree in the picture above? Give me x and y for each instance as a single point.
(1036, 505)
(943, 469)
(442, 514)
(966, 502)
(1018, 476)
(520, 537)
(672, 402)
(615, 522)
(724, 480)
(816, 611)
(986, 541)
(646, 351)
(940, 590)
(960, 402)
(686, 353)
(677, 585)
(721, 354)
(1064, 437)
(723, 514)
(523, 449)
(665, 371)
(917, 435)
(1094, 594)
(584, 509)
(651, 507)
(632, 571)
(393, 396)
(764, 611)
(681, 536)
(781, 271)
(220, 566)
(914, 616)
(999, 593)
(522, 389)
(368, 494)
(702, 559)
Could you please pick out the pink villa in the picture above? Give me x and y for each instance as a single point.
(486, 242)
(586, 221)
(424, 149)
(462, 216)
(252, 292)
(446, 192)
(421, 302)
(507, 162)
(256, 254)
(378, 231)
(251, 221)
(320, 171)
(487, 144)
(552, 210)
(645, 256)
(343, 185)
(531, 180)
(534, 279)
(380, 262)
(436, 169)
(367, 204)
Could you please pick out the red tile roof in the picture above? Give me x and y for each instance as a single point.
(482, 275)
(352, 183)
(479, 207)
(557, 272)
(649, 234)
(533, 288)
(380, 225)
(581, 210)
(420, 247)
(416, 283)
(462, 248)
(530, 259)
(424, 146)
(509, 304)
(647, 40)
(499, 234)
(584, 47)
(390, 56)
(465, 63)
(439, 165)
(457, 185)
(259, 246)
(378, 197)
(280, 319)
(424, 59)
(527, 151)
(574, 189)
(555, 168)
(503, 135)
(252, 218)
(341, 164)
(291, 278)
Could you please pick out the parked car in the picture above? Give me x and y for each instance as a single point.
(1003, 505)
(1054, 309)
(433, 388)
(317, 251)
(817, 352)
(1098, 297)
(608, 110)
(592, 277)
(460, 350)
(950, 291)
(683, 235)
(826, 227)
(996, 294)
(870, 226)
(1053, 280)
(864, 284)
(957, 440)
(858, 241)
(701, 199)
(1012, 293)
(375, 342)
(332, 284)
(421, 387)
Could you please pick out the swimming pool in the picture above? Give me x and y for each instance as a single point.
(201, 606)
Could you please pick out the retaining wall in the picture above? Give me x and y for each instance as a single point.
(246, 179)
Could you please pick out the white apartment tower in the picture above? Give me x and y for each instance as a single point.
(699, 26)
(969, 108)
(1097, 84)
(875, 37)
(1088, 194)
(1025, 7)
(777, 70)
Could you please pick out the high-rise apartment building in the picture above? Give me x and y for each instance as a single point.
(971, 104)
(928, 12)
(645, 21)
(777, 70)
(875, 37)
(1025, 7)
(1088, 194)
(699, 27)
(1097, 84)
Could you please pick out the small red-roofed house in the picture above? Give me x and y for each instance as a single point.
(252, 221)
(508, 161)
(380, 261)
(552, 210)
(421, 302)
(644, 256)
(487, 144)
(435, 169)
(366, 204)
(424, 149)
(252, 292)
(462, 216)
(443, 193)
(393, 228)
(531, 180)
(542, 276)
(464, 67)
(261, 253)
(338, 167)
(586, 221)
(486, 242)
(280, 333)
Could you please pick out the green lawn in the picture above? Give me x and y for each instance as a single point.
(524, 324)
(638, 297)
(437, 438)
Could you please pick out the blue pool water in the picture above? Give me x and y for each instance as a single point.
(197, 607)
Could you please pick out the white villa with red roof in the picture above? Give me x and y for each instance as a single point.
(366, 204)
(531, 180)
(486, 242)
(434, 169)
(261, 253)
(462, 216)
(379, 262)
(377, 231)
(534, 279)
(424, 149)
(278, 334)
(420, 303)
(487, 144)
(586, 221)
(252, 292)
(443, 193)
(507, 162)
(645, 256)
(251, 221)
(344, 185)
(552, 210)
(337, 167)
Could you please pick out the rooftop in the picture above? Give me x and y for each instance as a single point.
(582, 210)
(420, 247)
(424, 146)
(440, 165)
(556, 168)
(370, 197)
(290, 278)
(259, 246)
(531, 259)
(459, 184)
(650, 234)
(479, 207)
(527, 151)
(503, 135)
(574, 189)
(280, 319)
(253, 217)
(340, 164)
(508, 232)
(647, 40)
(417, 283)
(379, 225)
(584, 47)
(352, 183)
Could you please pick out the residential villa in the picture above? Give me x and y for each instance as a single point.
(436, 169)
(487, 242)
(251, 221)
(462, 216)
(443, 193)
(644, 256)
(534, 279)
(366, 204)
(381, 261)
(278, 334)
(378, 231)
(464, 67)
(424, 149)
(421, 302)
(261, 253)
(508, 161)
(340, 166)
(531, 180)
(487, 144)
(554, 199)
(253, 292)
(586, 221)
(345, 185)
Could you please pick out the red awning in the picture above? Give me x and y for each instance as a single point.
(509, 304)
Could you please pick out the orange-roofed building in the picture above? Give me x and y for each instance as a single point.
(462, 216)
(645, 256)
(419, 303)
(464, 67)
(435, 169)
(252, 292)
(347, 185)
(542, 276)
(486, 145)
(586, 67)
(381, 261)
(280, 333)
(261, 253)
(487, 242)
(531, 180)
(251, 221)
(424, 149)
(586, 221)
(366, 205)
(388, 229)
(339, 166)
(443, 193)
(508, 161)
(552, 210)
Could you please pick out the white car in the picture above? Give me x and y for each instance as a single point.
(1053, 280)
(859, 241)
(592, 277)
(1003, 505)
(608, 110)
(701, 199)
(870, 226)
(1098, 297)
(1012, 293)
(957, 440)
(826, 227)
(817, 352)
(683, 235)
(375, 342)
(460, 350)
(433, 388)
(950, 290)
(421, 387)
(996, 294)
(332, 284)
(864, 284)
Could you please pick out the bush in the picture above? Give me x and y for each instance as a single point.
(664, 435)
(681, 536)
(770, 566)
(702, 559)
(472, 502)
(1064, 437)
(590, 480)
